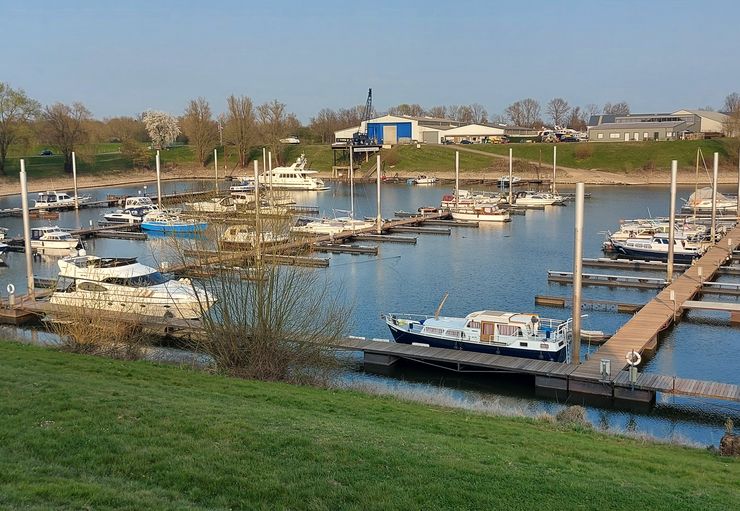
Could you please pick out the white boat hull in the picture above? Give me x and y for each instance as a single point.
(55, 244)
(129, 304)
(481, 217)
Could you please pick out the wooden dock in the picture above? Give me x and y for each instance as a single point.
(588, 304)
(641, 332)
(550, 375)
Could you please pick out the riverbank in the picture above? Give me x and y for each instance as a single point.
(564, 176)
(80, 431)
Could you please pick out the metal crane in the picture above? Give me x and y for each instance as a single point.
(360, 137)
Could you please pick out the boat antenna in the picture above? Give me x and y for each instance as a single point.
(441, 304)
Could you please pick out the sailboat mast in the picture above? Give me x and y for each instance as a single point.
(377, 186)
(457, 178)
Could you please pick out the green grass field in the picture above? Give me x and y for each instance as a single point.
(78, 432)
(619, 157)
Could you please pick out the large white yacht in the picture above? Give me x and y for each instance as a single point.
(125, 285)
(58, 200)
(295, 177)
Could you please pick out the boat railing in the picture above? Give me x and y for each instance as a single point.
(404, 317)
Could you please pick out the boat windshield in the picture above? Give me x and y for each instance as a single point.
(150, 279)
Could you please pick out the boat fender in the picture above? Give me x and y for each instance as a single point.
(11, 289)
(633, 358)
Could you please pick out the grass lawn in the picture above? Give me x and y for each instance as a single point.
(619, 157)
(87, 433)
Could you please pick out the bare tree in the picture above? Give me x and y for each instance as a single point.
(515, 113)
(525, 112)
(275, 123)
(558, 110)
(161, 127)
(731, 107)
(621, 108)
(325, 124)
(240, 130)
(577, 119)
(200, 128)
(413, 110)
(438, 111)
(66, 127)
(590, 110)
(479, 113)
(119, 129)
(17, 111)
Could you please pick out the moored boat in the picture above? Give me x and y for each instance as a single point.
(701, 202)
(53, 237)
(656, 248)
(295, 177)
(480, 213)
(58, 200)
(171, 222)
(244, 237)
(423, 180)
(496, 332)
(125, 285)
(530, 198)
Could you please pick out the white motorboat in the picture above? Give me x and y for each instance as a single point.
(501, 333)
(125, 285)
(295, 177)
(530, 198)
(468, 198)
(480, 213)
(245, 184)
(243, 237)
(133, 212)
(215, 205)
(319, 226)
(3, 232)
(701, 202)
(503, 181)
(423, 180)
(53, 237)
(58, 200)
(656, 248)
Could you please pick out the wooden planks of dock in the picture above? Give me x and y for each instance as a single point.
(641, 332)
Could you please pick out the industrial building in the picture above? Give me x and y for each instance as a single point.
(394, 129)
(661, 126)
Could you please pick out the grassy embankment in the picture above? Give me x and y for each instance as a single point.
(80, 432)
(629, 157)
(624, 157)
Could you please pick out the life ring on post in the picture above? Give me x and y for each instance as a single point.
(11, 289)
(633, 358)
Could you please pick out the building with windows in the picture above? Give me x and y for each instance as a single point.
(659, 127)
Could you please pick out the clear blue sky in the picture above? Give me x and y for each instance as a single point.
(123, 57)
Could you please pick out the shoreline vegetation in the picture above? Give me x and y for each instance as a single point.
(641, 163)
(89, 432)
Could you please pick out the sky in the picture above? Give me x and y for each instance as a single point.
(124, 57)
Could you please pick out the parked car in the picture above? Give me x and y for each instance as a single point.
(447, 142)
(46, 152)
(465, 142)
(290, 140)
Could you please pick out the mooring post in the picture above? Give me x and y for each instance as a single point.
(27, 231)
(672, 222)
(577, 268)
(737, 213)
(215, 167)
(269, 169)
(351, 182)
(457, 178)
(257, 226)
(714, 198)
(511, 176)
(377, 199)
(159, 184)
(74, 179)
(554, 165)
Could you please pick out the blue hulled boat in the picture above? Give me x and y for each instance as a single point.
(495, 332)
(170, 222)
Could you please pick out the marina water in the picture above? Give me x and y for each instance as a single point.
(497, 266)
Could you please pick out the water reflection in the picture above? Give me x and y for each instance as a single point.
(495, 266)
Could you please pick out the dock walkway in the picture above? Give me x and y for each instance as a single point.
(641, 332)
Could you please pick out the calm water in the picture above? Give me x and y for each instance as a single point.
(496, 266)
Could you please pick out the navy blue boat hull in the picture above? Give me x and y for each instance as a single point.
(653, 256)
(404, 337)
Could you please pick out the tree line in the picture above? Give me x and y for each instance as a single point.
(243, 126)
